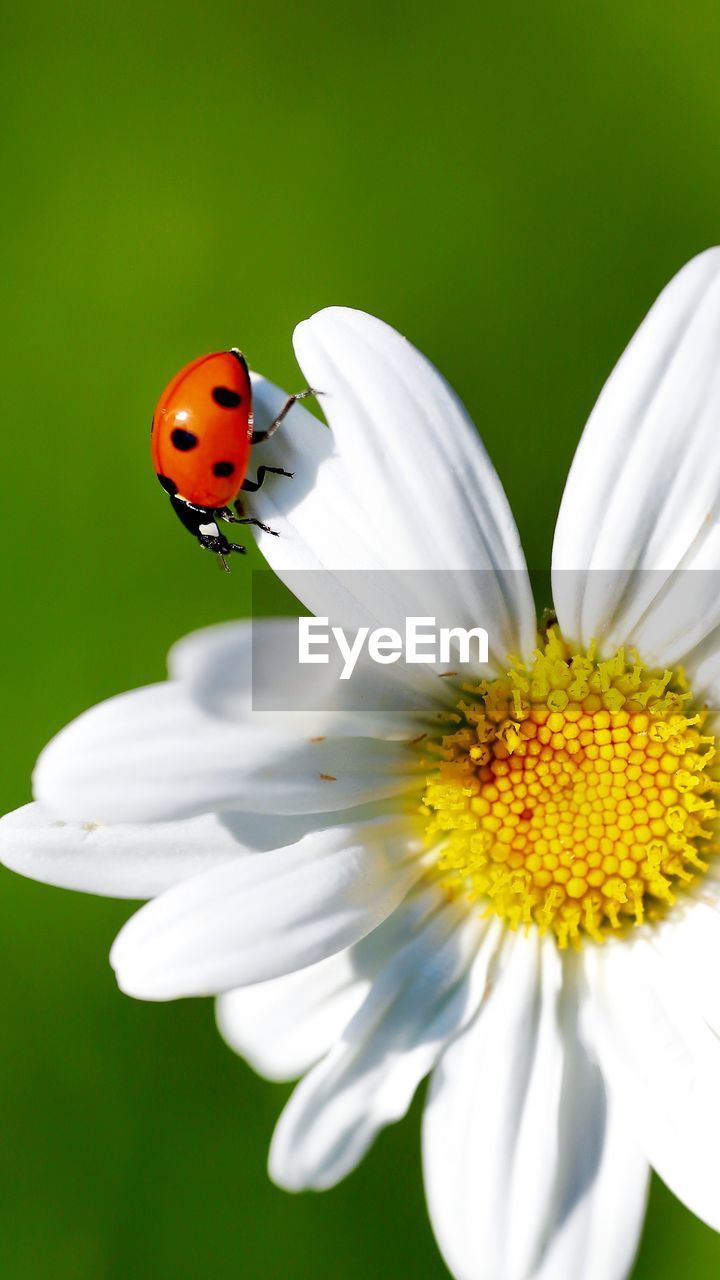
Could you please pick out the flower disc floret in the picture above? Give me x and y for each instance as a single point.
(576, 794)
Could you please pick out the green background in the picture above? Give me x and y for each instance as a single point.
(510, 186)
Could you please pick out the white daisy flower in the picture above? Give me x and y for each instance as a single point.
(511, 886)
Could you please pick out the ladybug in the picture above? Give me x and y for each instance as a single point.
(201, 436)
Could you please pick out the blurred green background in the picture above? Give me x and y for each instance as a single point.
(510, 186)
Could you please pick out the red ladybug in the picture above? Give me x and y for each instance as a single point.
(202, 434)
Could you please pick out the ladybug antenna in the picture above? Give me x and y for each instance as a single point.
(222, 563)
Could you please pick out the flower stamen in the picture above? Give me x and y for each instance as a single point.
(576, 794)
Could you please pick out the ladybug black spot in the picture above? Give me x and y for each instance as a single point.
(183, 440)
(168, 485)
(223, 468)
(226, 398)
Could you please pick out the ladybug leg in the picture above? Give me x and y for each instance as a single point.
(259, 436)
(252, 486)
(224, 513)
(258, 525)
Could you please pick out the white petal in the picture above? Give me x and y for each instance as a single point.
(420, 999)
(527, 1169)
(141, 860)
(401, 489)
(689, 942)
(261, 917)
(665, 1061)
(265, 832)
(119, 861)
(642, 503)
(153, 755)
(702, 665)
(284, 1026)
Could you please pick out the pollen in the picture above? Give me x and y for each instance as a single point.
(576, 794)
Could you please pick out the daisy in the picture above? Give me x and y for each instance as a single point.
(507, 883)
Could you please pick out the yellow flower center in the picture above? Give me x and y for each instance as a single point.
(576, 794)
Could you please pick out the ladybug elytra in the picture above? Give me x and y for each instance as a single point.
(201, 438)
